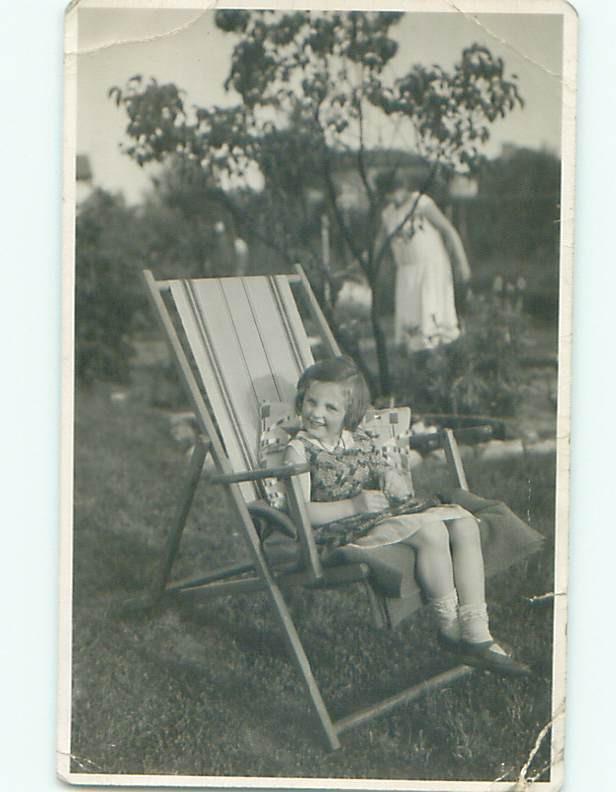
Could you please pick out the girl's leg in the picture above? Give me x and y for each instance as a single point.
(469, 577)
(435, 575)
(467, 558)
(434, 569)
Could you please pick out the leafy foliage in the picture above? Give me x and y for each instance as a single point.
(310, 85)
(189, 231)
(108, 297)
(478, 374)
(528, 183)
(181, 230)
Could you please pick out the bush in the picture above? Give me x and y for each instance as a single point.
(109, 296)
(480, 372)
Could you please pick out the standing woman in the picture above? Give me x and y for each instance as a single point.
(421, 240)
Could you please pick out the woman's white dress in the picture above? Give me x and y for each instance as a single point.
(425, 312)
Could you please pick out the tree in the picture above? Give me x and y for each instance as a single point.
(108, 296)
(189, 232)
(177, 230)
(310, 87)
(528, 181)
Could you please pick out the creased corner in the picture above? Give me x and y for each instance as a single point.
(529, 775)
(475, 19)
(207, 7)
(87, 765)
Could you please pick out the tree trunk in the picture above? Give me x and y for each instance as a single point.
(381, 346)
(349, 346)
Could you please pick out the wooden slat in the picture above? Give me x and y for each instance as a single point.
(333, 577)
(249, 345)
(240, 403)
(253, 343)
(299, 515)
(196, 321)
(174, 537)
(281, 330)
(454, 459)
(317, 314)
(404, 697)
(222, 573)
(217, 583)
(290, 312)
(247, 585)
(283, 471)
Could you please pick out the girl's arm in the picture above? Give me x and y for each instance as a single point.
(430, 210)
(328, 511)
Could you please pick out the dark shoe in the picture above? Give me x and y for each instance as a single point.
(486, 656)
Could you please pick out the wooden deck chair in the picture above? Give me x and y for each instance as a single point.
(239, 341)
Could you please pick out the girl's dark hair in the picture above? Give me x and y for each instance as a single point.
(342, 371)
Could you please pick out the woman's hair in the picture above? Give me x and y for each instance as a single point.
(391, 180)
(341, 371)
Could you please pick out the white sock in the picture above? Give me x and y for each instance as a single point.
(474, 623)
(445, 610)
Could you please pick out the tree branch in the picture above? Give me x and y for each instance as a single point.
(242, 218)
(361, 164)
(331, 193)
(376, 262)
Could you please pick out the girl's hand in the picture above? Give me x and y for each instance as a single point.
(369, 501)
(397, 486)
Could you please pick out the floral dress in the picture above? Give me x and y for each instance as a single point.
(355, 464)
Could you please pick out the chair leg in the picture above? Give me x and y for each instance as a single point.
(378, 609)
(172, 545)
(303, 665)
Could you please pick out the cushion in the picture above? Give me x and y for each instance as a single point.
(279, 424)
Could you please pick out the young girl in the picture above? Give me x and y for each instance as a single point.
(345, 474)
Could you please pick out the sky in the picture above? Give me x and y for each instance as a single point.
(186, 48)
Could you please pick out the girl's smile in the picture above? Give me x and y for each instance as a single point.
(323, 411)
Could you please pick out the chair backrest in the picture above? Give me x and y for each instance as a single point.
(248, 344)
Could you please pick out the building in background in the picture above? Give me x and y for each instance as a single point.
(83, 178)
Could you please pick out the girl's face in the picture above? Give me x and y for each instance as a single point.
(323, 411)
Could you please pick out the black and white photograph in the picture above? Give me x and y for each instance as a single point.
(316, 394)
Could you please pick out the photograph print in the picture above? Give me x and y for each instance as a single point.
(317, 301)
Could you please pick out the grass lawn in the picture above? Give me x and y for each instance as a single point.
(208, 689)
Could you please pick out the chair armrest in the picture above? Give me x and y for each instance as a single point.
(282, 472)
(296, 502)
(469, 436)
(299, 512)
(281, 520)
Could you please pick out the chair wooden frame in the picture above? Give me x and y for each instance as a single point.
(259, 574)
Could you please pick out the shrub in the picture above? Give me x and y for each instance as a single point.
(480, 372)
(109, 295)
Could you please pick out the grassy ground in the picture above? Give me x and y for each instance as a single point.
(208, 689)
